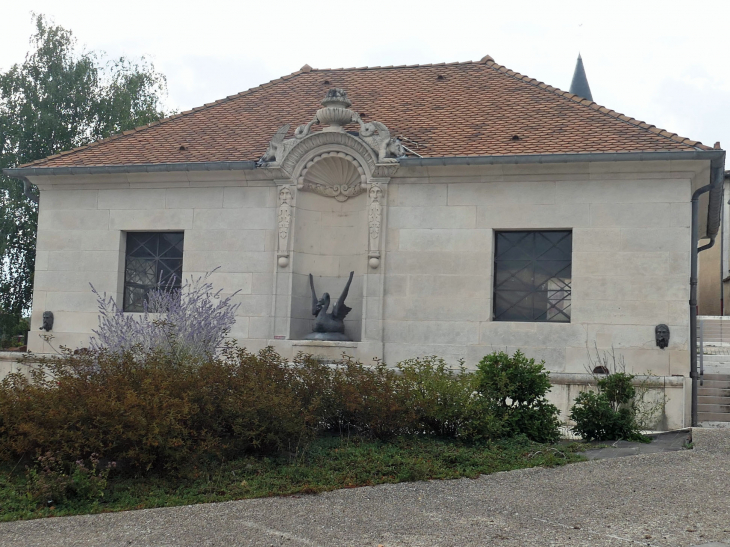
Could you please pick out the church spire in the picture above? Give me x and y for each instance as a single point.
(579, 86)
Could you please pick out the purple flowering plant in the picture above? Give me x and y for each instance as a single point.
(188, 323)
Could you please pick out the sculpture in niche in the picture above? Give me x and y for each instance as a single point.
(335, 115)
(662, 335)
(47, 324)
(329, 326)
(284, 219)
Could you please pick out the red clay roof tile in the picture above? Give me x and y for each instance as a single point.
(475, 110)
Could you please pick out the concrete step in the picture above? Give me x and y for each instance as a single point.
(713, 358)
(703, 399)
(712, 417)
(717, 377)
(710, 384)
(722, 370)
(704, 391)
(714, 409)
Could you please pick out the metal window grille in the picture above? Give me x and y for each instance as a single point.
(153, 259)
(532, 276)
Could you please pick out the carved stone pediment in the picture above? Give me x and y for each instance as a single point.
(334, 116)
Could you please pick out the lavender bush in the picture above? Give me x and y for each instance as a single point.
(186, 324)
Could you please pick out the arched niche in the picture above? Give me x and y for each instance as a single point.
(329, 238)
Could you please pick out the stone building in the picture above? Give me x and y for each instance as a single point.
(478, 208)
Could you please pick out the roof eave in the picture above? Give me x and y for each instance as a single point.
(23, 172)
(717, 157)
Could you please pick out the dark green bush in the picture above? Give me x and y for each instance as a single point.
(608, 414)
(51, 481)
(514, 390)
(439, 398)
(361, 400)
(147, 412)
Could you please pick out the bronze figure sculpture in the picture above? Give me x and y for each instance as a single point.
(329, 326)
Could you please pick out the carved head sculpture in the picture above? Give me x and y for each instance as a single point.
(395, 149)
(47, 324)
(662, 335)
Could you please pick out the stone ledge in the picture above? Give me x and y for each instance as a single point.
(14, 356)
(567, 378)
(323, 344)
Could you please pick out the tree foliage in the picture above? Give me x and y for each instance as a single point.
(59, 98)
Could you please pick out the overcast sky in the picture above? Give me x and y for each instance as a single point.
(665, 62)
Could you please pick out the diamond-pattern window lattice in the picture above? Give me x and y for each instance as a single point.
(532, 274)
(154, 259)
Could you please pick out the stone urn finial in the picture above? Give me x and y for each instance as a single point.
(336, 112)
(336, 97)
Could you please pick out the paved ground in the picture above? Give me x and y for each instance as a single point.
(670, 441)
(678, 498)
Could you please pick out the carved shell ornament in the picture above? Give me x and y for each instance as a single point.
(333, 174)
(334, 116)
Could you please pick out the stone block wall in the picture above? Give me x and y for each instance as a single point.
(630, 227)
(229, 223)
(630, 261)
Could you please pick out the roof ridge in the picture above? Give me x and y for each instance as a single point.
(384, 67)
(168, 118)
(594, 105)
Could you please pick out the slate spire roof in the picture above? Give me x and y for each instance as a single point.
(455, 109)
(579, 85)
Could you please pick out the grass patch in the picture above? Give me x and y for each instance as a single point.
(328, 464)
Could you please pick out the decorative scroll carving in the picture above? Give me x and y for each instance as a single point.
(333, 174)
(377, 136)
(335, 115)
(375, 216)
(286, 200)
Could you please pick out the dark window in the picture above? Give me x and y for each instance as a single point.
(153, 259)
(532, 276)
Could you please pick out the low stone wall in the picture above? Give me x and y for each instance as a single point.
(673, 390)
(10, 361)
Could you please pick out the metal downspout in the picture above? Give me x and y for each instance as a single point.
(693, 296)
(695, 251)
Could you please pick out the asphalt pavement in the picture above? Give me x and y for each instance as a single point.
(669, 498)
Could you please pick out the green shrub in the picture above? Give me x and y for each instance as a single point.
(350, 398)
(152, 413)
(514, 390)
(147, 411)
(440, 398)
(608, 414)
(50, 482)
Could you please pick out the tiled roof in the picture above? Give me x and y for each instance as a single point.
(458, 109)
